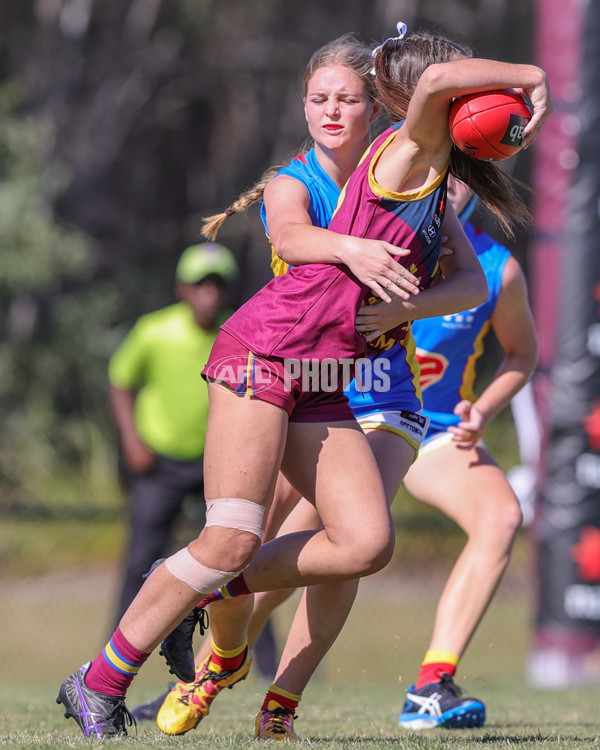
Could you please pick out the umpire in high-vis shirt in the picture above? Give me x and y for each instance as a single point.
(160, 405)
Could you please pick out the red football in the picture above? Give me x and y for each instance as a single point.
(489, 125)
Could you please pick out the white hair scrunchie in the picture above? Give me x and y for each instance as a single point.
(401, 28)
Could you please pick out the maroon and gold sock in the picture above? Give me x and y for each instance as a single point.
(235, 587)
(435, 664)
(227, 660)
(277, 697)
(115, 666)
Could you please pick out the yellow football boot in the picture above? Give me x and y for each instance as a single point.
(188, 703)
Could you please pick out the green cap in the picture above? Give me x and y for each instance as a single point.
(199, 261)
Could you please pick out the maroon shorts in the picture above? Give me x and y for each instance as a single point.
(273, 380)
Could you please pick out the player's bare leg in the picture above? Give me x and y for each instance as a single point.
(468, 487)
(249, 436)
(360, 539)
(254, 434)
(235, 626)
(323, 609)
(357, 536)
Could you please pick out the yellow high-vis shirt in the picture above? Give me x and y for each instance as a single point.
(162, 358)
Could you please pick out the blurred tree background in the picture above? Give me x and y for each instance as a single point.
(122, 124)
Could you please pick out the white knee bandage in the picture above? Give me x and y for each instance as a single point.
(202, 579)
(236, 513)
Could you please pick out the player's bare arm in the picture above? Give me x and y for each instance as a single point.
(464, 287)
(298, 242)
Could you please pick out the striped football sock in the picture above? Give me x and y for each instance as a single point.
(277, 697)
(235, 587)
(115, 666)
(227, 660)
(435, 664)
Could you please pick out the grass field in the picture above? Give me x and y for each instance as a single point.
(340, 717)
(57, 593)
(57, 621)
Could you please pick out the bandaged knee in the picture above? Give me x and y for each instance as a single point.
(230, 513)
(197, 576)
(236, 513)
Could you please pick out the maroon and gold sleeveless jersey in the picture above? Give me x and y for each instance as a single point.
(309, 312)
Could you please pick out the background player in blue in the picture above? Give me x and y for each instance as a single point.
(454, 472)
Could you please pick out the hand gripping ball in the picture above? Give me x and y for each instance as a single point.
(489, 125)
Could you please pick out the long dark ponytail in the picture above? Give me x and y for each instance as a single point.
(399, 65)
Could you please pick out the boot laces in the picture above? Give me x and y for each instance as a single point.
(123, 715)
(279, 719)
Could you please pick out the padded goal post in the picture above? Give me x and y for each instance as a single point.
(566, 296)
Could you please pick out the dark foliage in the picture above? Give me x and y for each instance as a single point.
(123, 123)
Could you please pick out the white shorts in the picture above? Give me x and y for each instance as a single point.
(439, 440)
(410, 425)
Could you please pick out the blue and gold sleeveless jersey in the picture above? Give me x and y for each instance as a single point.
(449, 347)
(323, 194)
